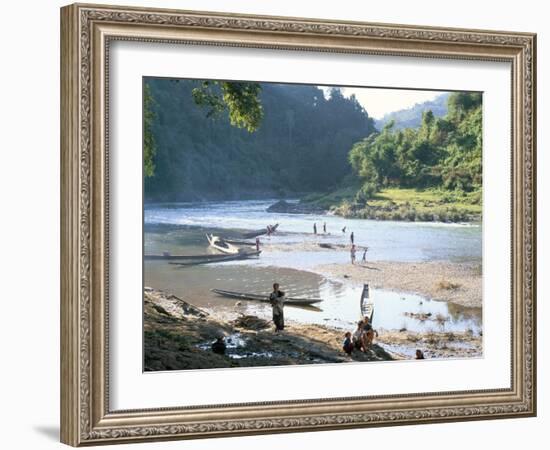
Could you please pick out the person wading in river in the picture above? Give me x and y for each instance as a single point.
(277, 300)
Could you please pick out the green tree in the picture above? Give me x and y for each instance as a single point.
(240, 98)
(462, 167)
(301, 146)
(443, 152)
(149, 146)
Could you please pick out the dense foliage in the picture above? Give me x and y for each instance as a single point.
(443, 152)
(240, 99)
(243, 140)
(149, 145)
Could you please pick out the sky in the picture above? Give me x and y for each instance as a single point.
(379, 101)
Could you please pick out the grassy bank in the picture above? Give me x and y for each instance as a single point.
(402, 204)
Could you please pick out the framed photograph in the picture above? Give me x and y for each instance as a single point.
(276, 224)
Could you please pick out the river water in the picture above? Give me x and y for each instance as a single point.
(290, 255)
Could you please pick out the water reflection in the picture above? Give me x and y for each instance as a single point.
(341, 302)
(292, 252)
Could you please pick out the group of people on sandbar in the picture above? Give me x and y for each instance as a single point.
(315, 228)
(361, 339)
(353, 248)
(353, 254)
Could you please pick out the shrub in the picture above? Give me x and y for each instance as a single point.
(367, 191)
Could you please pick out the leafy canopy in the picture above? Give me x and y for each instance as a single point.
(149, 144)
(443, 152)
(240, 99)
(301, 144)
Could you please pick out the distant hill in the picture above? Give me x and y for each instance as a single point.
(412, 117)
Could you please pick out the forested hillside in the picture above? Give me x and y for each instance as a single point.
(433, 172)
(300, 145)
(443, 152)
(412, 117)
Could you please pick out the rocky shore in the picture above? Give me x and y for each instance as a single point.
(284, 207)
(178, 336)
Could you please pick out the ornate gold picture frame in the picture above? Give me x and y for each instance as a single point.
(87, 32)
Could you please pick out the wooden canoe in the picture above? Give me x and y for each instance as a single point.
(331, 246)
(290, 301)
(210, 259)
(183, 257)
(240, 242)
(253, 234)
(222, 245)
(367, 304)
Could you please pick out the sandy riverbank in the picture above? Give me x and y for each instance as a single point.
(460, 283)
(178, 336)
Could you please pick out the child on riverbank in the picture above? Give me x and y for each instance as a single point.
(348, 344)
(368, 333)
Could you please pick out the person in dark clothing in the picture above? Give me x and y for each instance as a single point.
(348, 344)
(352, 238)
(325, 227)
(219, 346)
(314, 228)
(277, 300)
(419, 354)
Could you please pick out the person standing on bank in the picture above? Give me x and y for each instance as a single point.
(364, 259)
(277, 300)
